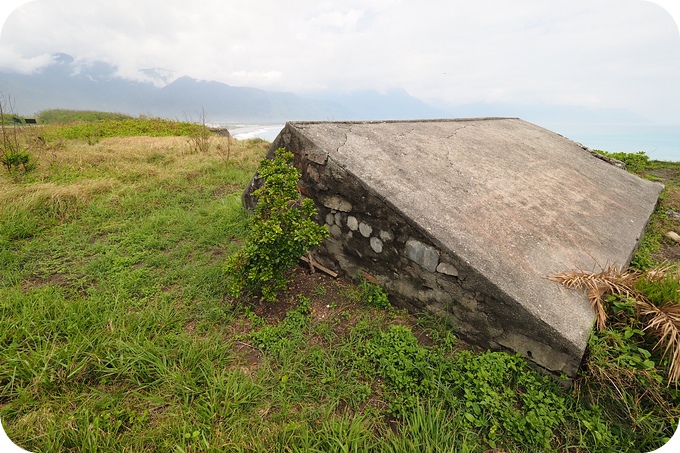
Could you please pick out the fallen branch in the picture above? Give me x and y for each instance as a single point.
(319, 267)
(311, 262)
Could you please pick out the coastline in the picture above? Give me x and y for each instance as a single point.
(659, 142)
(244, 131)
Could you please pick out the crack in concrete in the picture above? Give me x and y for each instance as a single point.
(448, 150)
(449, 160)
(346, 139)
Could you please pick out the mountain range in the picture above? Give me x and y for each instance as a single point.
(67, 85)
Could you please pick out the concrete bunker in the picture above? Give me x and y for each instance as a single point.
(465, 218)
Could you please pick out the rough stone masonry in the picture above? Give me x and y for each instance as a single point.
(466, 218)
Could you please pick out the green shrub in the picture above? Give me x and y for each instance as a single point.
(13, 155)
(15, 160)
(623, 376)
(282, 230)
(404, 365)
(635, 162)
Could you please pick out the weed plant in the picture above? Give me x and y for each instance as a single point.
(14, 154)
(373, 294)
(199, 139)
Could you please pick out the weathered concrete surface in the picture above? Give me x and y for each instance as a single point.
(466, 218)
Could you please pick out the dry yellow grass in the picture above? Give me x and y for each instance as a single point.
(60, 199)
(69, 174)
(175, 153)
(82, 166)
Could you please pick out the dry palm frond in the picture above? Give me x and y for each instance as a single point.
(664, 319)
(596, 297)
(610, 280)
(665, 323)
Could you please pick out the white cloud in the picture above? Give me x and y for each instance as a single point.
(245, 78)
(609, 53)
(338, 21)
(11, 60)
(8, 6)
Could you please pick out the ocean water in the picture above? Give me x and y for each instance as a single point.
(244, 131)
(659, 142)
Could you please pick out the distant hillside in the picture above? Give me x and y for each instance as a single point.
(68, 85)
(65, 85)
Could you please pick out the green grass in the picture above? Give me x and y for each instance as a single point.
(62, 116)
(635, 162)
(125, 127)
(118, 335)
(650, 251)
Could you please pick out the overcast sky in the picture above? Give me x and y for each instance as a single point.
(596, 53)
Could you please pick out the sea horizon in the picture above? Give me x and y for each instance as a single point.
(659, 142)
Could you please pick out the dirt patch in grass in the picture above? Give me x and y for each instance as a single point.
(664, 173)
(216, 254)
(669, 251)
(39, 282)
(671, 223)
(250, 355)
(225, 190)
(324, 292)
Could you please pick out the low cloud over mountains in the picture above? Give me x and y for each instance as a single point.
(96, 86)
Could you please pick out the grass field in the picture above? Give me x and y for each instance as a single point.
(118, 335)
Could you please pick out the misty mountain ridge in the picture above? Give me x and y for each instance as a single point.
(65, 84)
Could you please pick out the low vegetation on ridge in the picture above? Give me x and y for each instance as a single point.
(119, 332)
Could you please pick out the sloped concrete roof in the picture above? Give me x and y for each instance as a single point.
(515, 201)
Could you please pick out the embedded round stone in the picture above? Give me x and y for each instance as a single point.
(365, 229)
(352, 223)
(386, 236)
(335, 230)
(312, 173)
(376, 244)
